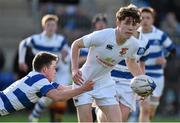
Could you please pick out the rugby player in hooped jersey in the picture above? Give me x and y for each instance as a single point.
(106, 48)
(24, 93)
(50, 41)
(159, 41)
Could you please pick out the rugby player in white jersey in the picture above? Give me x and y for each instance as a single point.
(122, 77)
(106, 48)
(155, 63)
(52, 42)
(24, 93)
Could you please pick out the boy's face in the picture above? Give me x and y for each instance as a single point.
(51, 71)
(127, 27)
(100, 25)
(50, 27)
(147, 20)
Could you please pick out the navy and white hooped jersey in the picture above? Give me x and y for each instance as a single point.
(24, 93)
(40, 42)
(83, 52)
(159, 41)
(121, 72)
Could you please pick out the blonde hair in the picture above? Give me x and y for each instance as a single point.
(47, 18)
(148, 10)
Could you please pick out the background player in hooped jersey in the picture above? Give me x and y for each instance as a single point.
(106, 48)
(25, 92)
(49, 41)
(156, 61)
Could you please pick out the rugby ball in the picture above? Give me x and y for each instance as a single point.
(143, 85)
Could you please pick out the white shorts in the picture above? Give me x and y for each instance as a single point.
(103, 96)
(159, 86)
(125, 94)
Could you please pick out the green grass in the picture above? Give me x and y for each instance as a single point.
(23, 117)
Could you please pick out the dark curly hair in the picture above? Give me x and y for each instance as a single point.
(129, 11)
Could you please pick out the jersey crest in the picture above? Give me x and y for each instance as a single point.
(141, 51)
(123, 51)
(109, 47)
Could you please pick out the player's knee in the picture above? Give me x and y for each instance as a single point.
(154, 102)
(145, 109)
(151, 115)
(84, 113)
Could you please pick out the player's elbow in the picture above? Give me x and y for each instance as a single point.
(60, 97)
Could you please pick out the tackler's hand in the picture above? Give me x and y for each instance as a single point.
(77, 77)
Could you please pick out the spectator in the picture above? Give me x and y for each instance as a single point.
(171, 25)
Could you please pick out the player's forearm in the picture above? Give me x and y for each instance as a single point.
(64, 87)
(142, 66)
(68, 94)
(134, 67)
(75, 55)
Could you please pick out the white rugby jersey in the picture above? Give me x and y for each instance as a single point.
(158, 42)
(24, 93)
(121, 71)
(105, 53)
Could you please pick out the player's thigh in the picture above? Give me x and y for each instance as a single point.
(84, 113)
(159, 86)
(101, 117)
(125, 111)
(145, 106)
(112, 112)
(126, 96)
(83, 99)
(157, 93)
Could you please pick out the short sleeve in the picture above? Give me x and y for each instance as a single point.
(93, 39)
(28, 41)
(144, 57)
(55, 84)
(44, 86)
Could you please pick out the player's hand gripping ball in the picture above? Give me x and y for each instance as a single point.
(143, 85)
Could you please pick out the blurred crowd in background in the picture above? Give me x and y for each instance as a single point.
(75, 20)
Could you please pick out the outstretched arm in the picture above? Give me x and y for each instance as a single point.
(59, 95)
